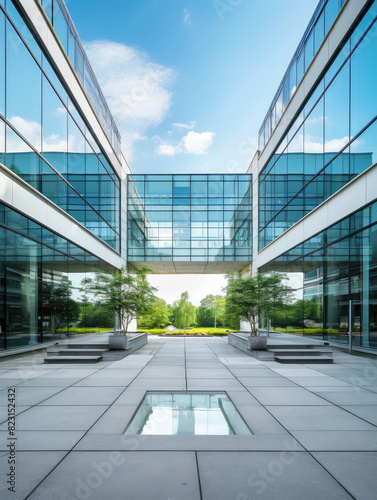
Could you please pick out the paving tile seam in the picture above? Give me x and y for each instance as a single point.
(198, 450)
(337, 406)
(337, 377)
(63, 389)
(198, 474)
(331, 475)
(46, 476)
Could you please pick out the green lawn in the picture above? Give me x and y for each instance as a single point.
(189, 331)
(73, 329)
(310, 331)
(154, 331)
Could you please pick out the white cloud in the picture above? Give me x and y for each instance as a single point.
(318, 119)
(192, 143)
(198, 143)
(315, 145)
(187, 16)
(29, 129)
(32, 131)
(137, 90)
(54, 143)
(338, 144)
(168, 149)
(188, 126)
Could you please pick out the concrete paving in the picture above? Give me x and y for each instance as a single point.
(314, 427)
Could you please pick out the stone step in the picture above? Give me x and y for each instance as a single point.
(80, 352)
(271, 345)
(304, 359)
(297, 352)
(93, 345)
(73, 359)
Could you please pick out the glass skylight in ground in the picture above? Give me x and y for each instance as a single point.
(187, 413)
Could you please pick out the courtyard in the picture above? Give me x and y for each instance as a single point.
(313, 427)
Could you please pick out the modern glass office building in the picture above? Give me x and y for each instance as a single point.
(306, 206)
(61, 173)
(315, 184)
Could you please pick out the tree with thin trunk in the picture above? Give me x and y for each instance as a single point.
(184, 312)
(252, 296)
(127, 295)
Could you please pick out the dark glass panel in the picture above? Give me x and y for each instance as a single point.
(22, 261)
(2, 286)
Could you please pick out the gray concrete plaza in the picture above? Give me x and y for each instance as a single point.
(314, 427)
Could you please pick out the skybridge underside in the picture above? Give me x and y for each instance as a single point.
(174, 267)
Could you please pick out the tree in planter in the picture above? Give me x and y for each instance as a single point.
(127, 295)
(252, 296)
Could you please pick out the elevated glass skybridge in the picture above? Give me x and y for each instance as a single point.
(190, 223)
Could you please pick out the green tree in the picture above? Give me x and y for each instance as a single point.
(231, 317)
(252, 296)
(211, 311)
(157, 317)
(204, 317)
(184, 312)
(127, 295)
(93, 316)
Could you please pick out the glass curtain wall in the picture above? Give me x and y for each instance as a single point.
(40, 276)
(61, 21)
(332, 140)
(320, 24)
(327, 271)
(189, 218)
(44, 140)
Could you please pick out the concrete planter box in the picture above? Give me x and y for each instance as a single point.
(257, 343)
(118, 342)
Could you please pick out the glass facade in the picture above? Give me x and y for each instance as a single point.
(65, 30)
(320, 24)
(40, 273)
(44, 140)
(335, 266)
(331, 141)
(189, 218)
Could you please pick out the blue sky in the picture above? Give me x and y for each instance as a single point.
(190, 81)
